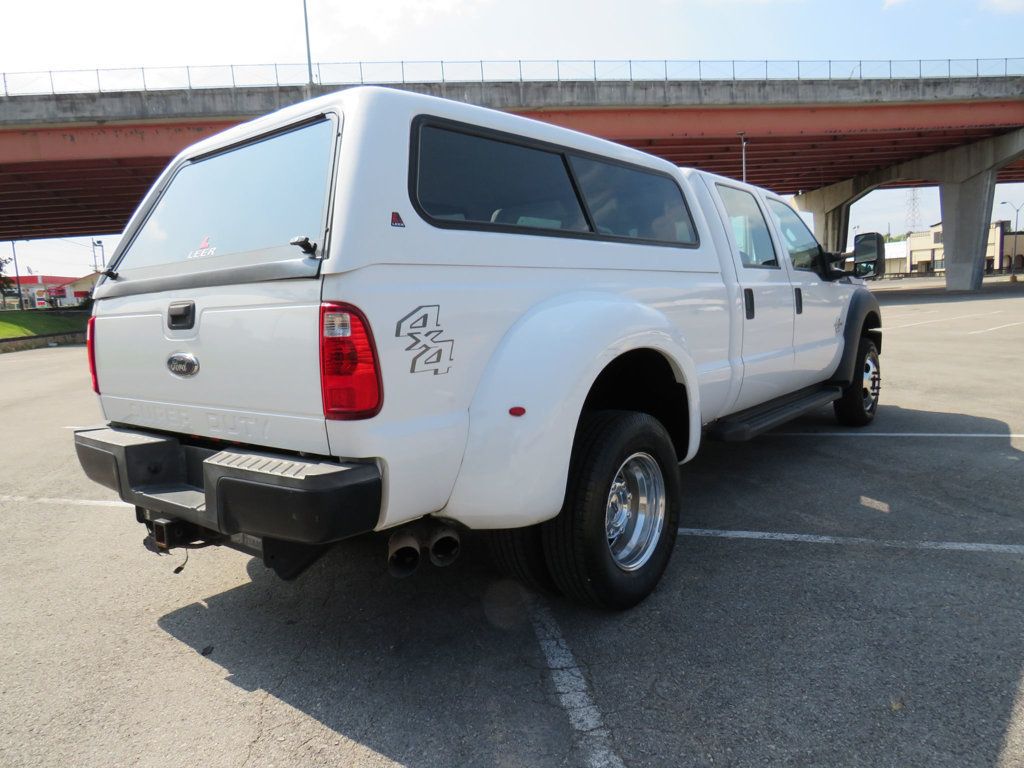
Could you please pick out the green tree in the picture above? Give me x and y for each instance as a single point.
(8, 289)
(6, 284)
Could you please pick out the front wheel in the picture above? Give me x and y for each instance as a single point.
(859, 403)
(611, 542)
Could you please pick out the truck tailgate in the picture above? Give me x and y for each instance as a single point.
(251, 372)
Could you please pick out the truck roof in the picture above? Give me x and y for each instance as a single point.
(366, 102)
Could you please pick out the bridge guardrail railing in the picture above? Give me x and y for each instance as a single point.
(515, 70)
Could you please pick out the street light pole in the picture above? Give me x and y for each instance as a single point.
(309, 52)
(103, 254)
(743, 153)
(1013, 256)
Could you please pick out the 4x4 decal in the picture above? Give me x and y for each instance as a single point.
(423, 329)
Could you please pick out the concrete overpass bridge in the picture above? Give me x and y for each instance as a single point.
(78, 163)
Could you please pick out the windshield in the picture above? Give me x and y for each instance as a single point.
(256, 196)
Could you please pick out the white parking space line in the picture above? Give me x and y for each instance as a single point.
(970, 435)
(73, 502)
(566, 676)
(571, 687)
(905, 315)
(807, 538)
(996, 328)
(942, 320)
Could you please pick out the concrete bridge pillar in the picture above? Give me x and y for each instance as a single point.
(967, 185)
(830, 207)
(832, 227)
(966, 217)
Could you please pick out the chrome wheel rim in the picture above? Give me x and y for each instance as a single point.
(872, 381)
(635, 511)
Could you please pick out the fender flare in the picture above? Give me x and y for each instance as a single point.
(863, 303)
(514, 469)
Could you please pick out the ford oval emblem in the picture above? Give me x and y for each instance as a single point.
(183, 364)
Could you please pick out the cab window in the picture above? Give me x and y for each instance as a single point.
(802, 246)
(749, 228)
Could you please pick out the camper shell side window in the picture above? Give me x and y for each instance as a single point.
(466, 177)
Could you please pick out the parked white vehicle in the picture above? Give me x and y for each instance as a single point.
(379, 310)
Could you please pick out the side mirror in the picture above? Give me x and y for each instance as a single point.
(829, 265)
(868, 255)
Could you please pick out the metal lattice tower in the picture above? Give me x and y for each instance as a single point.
(913, 210)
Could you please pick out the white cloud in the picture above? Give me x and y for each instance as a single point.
(887, 4)
(1004, 6)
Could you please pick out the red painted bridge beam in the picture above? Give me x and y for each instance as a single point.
(165, 139)
(107, 142)
(696, 122)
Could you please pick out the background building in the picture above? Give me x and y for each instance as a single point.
(895, 257)
(40, 291)
(74, 292)
(1004, 252)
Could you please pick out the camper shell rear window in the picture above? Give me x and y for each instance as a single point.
(248, 198)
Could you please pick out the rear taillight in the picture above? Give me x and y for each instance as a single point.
(349, 373)
(90, 348)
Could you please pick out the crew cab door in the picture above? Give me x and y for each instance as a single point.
(768, 309)
(209, 324)
(818, 325)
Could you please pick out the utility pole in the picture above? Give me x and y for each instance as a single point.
(17, 277)
(743, 153)
(309, 53)
(1013, 256)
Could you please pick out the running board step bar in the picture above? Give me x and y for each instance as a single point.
(753, 421)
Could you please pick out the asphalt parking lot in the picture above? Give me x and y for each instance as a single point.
(838, 598)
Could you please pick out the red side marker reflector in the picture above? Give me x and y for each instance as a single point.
(396, 220)
(90, 348)
(517, 410)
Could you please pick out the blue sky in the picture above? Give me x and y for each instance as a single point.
(70, 34)
(108, 33)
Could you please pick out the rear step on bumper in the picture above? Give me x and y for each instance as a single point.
(279, 506)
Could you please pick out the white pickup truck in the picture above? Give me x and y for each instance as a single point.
(379, 311)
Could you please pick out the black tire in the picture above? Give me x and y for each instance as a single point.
(857, 408)
(518, 553)
(576, 544)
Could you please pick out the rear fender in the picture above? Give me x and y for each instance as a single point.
(515, 468)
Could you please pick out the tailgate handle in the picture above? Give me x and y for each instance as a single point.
(181, 315)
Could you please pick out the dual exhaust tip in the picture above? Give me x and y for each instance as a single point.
(406, 547)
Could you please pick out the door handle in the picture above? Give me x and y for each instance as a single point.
(748, 302)
(181, 315)
(799, 301)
